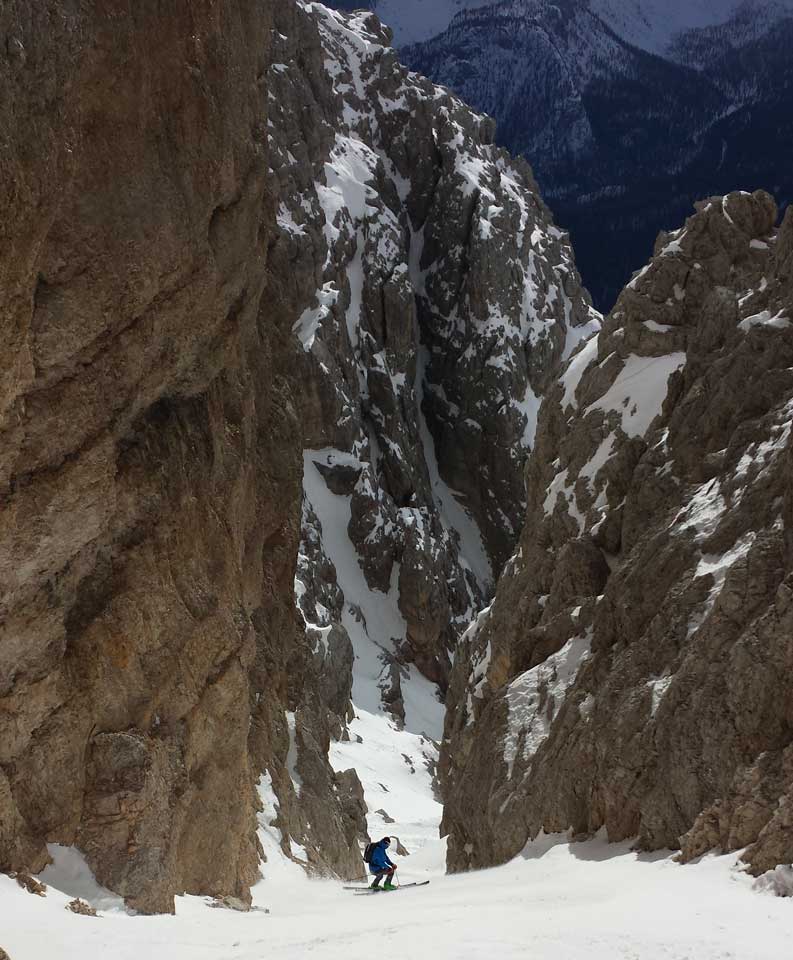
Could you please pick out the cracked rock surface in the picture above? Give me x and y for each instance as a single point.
(149, 472)
(634, 671)
(266, 237)
(434, 299)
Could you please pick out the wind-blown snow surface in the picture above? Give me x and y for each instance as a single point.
(557, 901)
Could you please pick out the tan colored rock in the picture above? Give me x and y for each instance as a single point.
(755, 814)
(31, 884)
(401, 850)
(81, 907)
(150, 465)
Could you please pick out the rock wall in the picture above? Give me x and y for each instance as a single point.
(433, 298)
(149, 450)
(634, 672)
(226, 238)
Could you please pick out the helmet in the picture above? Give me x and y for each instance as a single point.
(386, 841)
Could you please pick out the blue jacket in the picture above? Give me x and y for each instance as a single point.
(379, 860)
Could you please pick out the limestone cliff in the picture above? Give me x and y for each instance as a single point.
(149, 458)
(226, 239)
(634, 672)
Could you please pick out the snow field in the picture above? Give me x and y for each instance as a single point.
(557, 901)
(395, 770)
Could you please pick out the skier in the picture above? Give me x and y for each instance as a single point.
(381, 866)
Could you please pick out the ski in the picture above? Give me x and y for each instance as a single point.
(402, 886)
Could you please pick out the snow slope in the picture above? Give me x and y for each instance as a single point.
(395, 766)
(557, 901)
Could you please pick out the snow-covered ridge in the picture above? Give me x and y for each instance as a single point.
(651, 25)
(633, 389)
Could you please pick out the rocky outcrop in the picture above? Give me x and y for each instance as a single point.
(152, 661)
(81, 908)
(433, 298)
(263, 237)
(150, 465)
(634, 671)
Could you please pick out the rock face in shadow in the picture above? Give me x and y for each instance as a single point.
(434, 300)
(634, 672)
(149, 447)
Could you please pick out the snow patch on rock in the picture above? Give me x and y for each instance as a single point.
(535, 697)
(639, 391)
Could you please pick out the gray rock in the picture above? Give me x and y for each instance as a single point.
(634, 671)
(433, 299)
(231, 903)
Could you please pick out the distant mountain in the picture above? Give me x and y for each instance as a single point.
(628, 110)
(621, 139)
(653, 25)
(648, 24)
(413, 21)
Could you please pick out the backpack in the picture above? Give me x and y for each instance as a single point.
(367, 854)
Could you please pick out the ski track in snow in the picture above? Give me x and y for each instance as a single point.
(556, 901)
